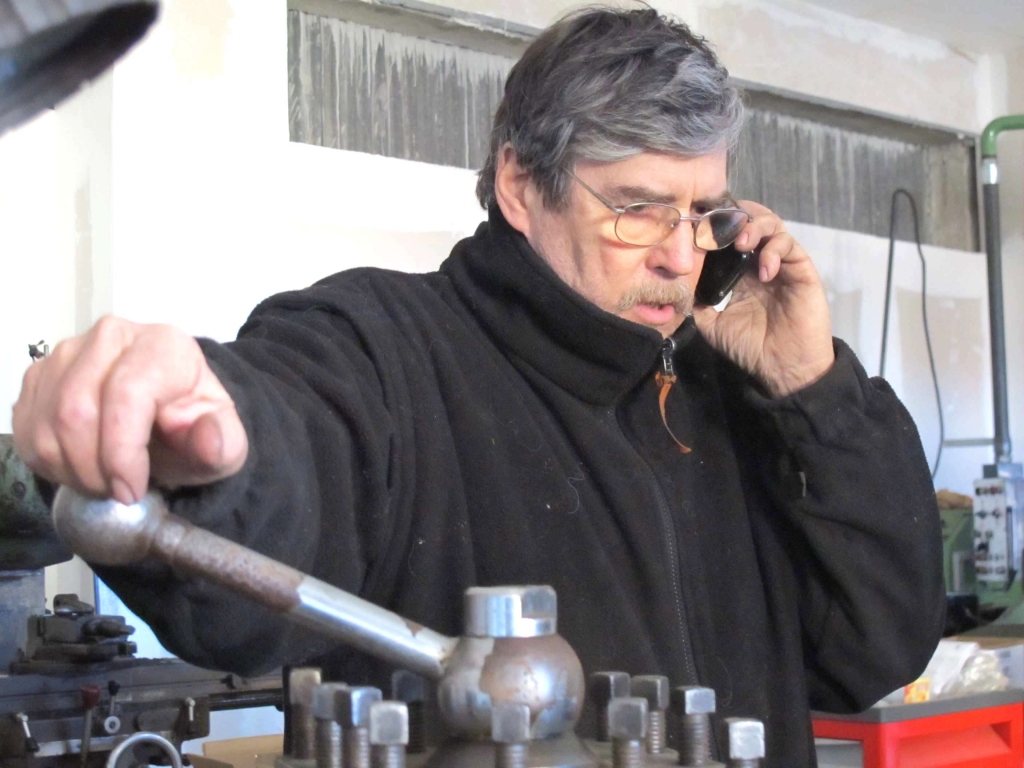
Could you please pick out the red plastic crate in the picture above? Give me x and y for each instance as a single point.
(987, 737)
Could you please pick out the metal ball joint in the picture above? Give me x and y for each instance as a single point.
(510, 652)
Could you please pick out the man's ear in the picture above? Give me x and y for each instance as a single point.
(512, 190)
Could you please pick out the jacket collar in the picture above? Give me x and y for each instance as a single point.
(536, 317)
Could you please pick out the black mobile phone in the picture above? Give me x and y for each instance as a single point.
(722, 270)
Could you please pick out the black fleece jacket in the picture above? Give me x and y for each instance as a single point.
(412, 435)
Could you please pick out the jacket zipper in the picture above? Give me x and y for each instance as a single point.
(668, 349)
(668, 527)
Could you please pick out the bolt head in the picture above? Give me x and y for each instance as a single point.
(693, 700)
(530, 611)
(627, 719)
(654, 688)
(408, 686)
(510, 722)
(389, 723)
(326, 700)
(605, 686)
(301, 682)
(746, 738)
(354, 706)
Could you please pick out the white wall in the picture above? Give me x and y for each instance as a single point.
(853, 268)
(798, 47)
(55, 228)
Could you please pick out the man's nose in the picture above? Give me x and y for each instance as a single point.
(675, 254)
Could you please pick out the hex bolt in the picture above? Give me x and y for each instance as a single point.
(603, 687)
(413, 690)
(655, 689)
(354, 715)
(300, 725)
(324, 708)
(388, 733)
(627, 728)
(746, 742)
(510, 732)
(694, 706)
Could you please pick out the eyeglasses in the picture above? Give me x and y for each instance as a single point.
(647, 224)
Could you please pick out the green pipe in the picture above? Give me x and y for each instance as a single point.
(994, 259)
(997, 126)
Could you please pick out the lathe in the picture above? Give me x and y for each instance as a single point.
(71, 687)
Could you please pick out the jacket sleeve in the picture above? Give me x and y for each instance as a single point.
(309, 394)
(858, 521)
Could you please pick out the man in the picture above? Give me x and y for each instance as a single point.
(726, 500)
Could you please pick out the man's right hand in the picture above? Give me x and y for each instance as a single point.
(125, 403)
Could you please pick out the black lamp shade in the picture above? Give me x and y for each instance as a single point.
(50, 48)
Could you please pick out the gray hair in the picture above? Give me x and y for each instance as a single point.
(604, 84)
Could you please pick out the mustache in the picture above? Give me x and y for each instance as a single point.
(659, 293)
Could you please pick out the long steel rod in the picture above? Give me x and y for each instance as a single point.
(997, 324)
(106, 532)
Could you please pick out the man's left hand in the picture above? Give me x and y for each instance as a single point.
(777, 325)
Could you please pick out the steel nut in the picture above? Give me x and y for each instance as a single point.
(510, 722)
(389, 723)
(654, 688)
(746, 738)
(354, 706)
(693, 700)
(627, 719)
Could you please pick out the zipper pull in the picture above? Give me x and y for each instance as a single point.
(665, 378)
(668, 349)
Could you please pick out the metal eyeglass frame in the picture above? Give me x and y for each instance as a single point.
(696, 219)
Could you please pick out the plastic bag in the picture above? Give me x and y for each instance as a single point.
(979, 674)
